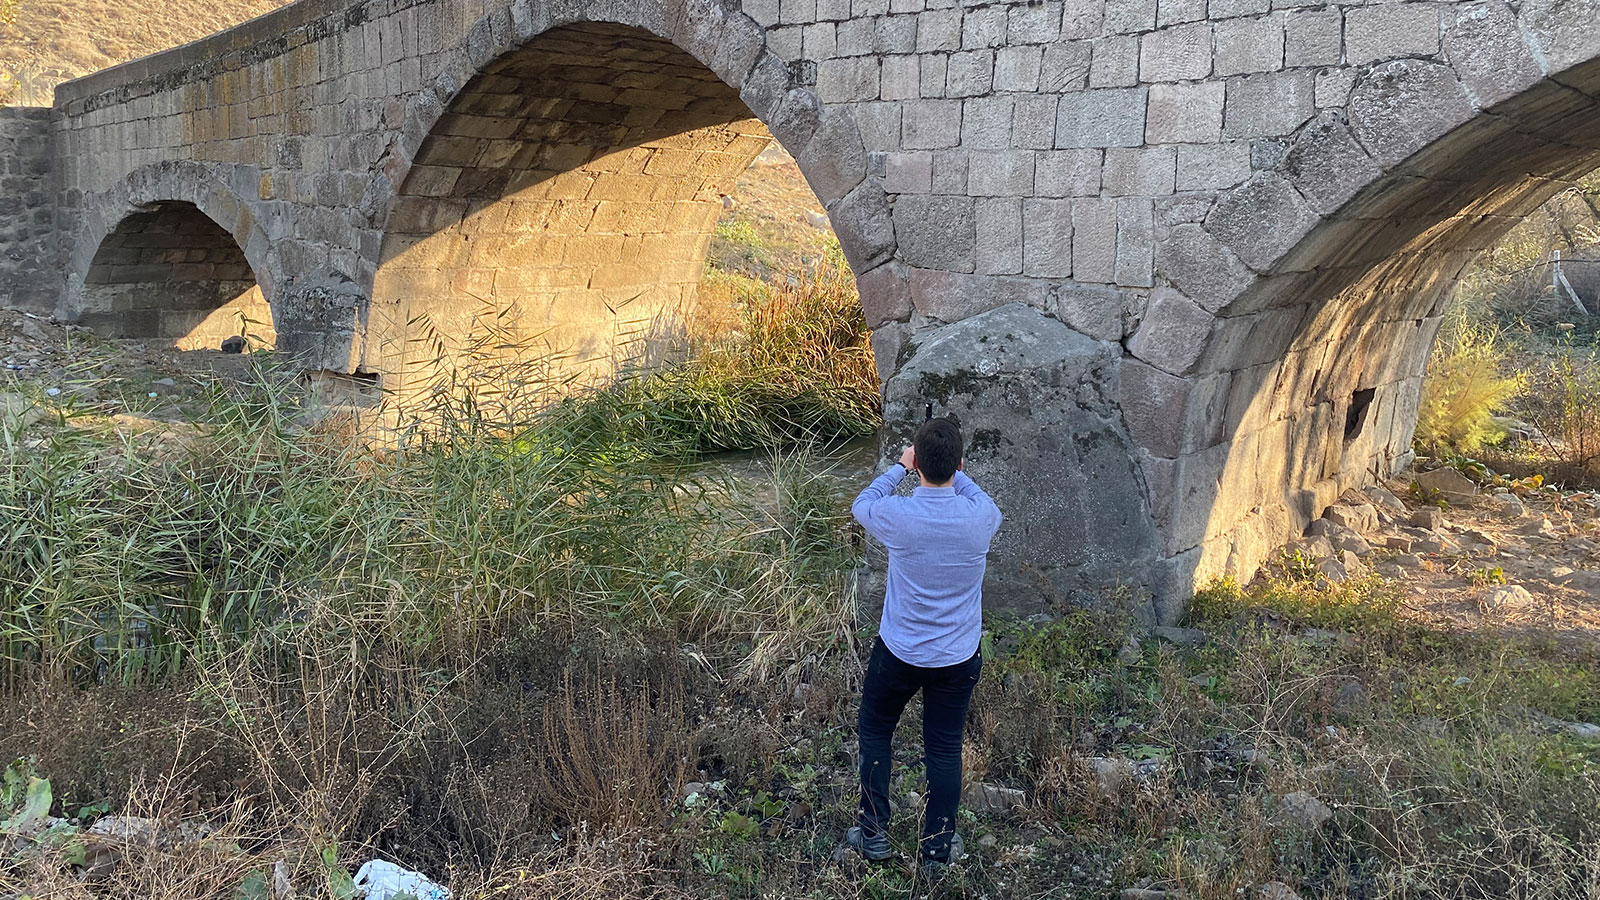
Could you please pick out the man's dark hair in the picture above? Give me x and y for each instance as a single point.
(938, 448)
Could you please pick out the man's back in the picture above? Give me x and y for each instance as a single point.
(938, 543)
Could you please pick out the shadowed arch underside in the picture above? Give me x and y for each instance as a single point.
(1310, 382)
(171, 273)
(559, 209)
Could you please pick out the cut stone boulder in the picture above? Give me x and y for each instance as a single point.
(1358, 517)
(1457, 489)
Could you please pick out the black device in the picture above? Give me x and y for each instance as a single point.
(929, 416)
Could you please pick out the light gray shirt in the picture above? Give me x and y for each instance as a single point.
(938, 542)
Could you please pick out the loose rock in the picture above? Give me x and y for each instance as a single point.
(1447, 481)
(1276, 890)
(1427, 518)
(1505, 598)
(1358, 517)
(1301, 810)
(982, 797)
(1188, 637)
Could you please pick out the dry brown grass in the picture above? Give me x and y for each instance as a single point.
(57, 41)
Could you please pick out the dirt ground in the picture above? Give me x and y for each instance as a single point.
(55, 42)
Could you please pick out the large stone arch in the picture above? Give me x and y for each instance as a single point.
(207, 219)
(586, 150)
(1288, 350)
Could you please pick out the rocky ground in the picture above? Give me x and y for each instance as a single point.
(1512, 555)
(69, 369)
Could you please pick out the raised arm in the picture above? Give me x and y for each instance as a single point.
(968, 488)
(865, 506)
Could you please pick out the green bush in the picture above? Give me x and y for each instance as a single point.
(1463, 391)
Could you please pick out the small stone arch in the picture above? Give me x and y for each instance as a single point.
(207, 239)
(825, 140)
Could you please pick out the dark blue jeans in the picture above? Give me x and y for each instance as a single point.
(946, 692)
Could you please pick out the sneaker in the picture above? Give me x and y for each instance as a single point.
(871, 846)
(934, 869)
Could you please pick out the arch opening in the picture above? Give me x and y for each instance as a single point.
(1310, 385)
(170, 273)
(559, 210)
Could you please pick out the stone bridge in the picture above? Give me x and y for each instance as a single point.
(1176, 265)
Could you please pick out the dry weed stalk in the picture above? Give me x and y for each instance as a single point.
(614, 750)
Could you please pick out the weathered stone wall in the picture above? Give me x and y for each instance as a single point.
(1244, 215)
(29, 276)
(561, 208)
(174, 274)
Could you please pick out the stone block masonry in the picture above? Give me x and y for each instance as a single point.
(28, 271)
(1210, 239)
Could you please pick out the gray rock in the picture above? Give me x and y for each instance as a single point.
(1143, 894)
(1398, 542)
(18, 412)
(1427, 518)
(1316, 546)
(1341, 537)
(1587, 731)
(1448, 481)
(1301, 810)
(1509, 506)
(1111, 775)
(1334, 571)
(1540, 527)
(1046, 441)
(981, 797)
(1507, 598)
(1359, 517)
(1276, 890)
(1586, 581)
(1384, 499)
(1186, 637)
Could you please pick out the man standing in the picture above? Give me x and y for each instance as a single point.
(938, 542)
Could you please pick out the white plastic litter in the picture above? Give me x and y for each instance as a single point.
(384, 880)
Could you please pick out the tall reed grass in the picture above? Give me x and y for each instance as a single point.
(122, 560)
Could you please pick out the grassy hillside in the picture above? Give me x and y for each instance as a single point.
(51, 42)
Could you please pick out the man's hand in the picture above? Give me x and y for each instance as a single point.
(908, 458)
